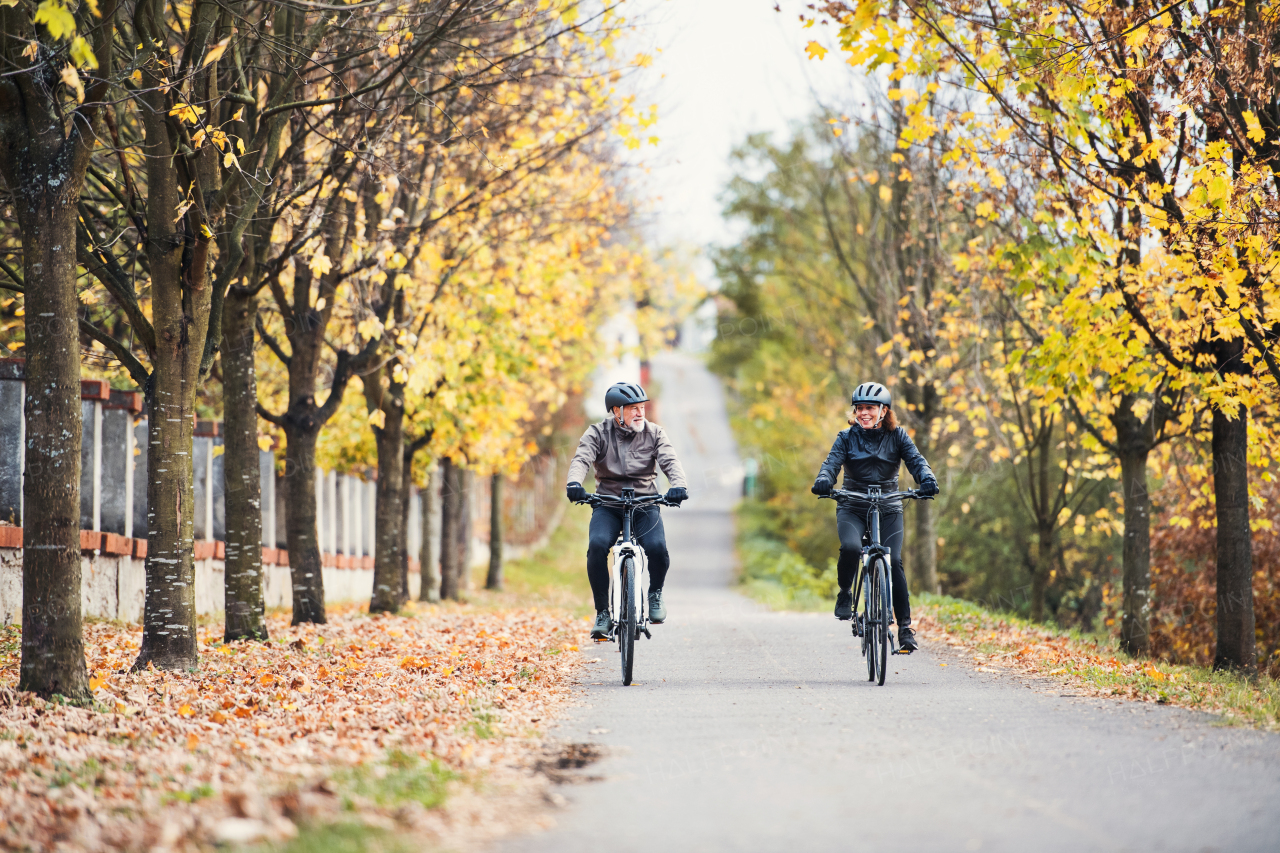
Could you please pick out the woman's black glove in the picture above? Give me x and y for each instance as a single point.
(677, 495)
(575, 492)
(821, 486)
(928, 488)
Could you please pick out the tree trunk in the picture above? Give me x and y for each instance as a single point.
(429, 589)
(1040, 578)
(389, 439)
(181, 302)
(926, 549)
(464, 530)
(450, 504)
(406, 500)
(1236, 640)
(52, 648)
(43, 159)
(494, 580)
(305, 573)
(242, 580)
(1135, 624)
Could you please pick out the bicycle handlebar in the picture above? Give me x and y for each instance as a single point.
(909, 494)
(595, 499)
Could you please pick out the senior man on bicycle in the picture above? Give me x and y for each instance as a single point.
(626, 452)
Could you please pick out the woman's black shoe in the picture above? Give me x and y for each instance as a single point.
(907, 639)
(844, 605)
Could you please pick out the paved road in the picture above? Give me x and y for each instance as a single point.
(757, 731)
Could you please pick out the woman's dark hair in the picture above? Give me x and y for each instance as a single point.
(888, 422)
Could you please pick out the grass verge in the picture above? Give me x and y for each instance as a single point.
(1093, 664)
(554, 576)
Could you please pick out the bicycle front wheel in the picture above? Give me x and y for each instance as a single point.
(627, 620)
(867, 617)
(881, 642)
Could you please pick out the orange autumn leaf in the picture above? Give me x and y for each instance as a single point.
(192, 742)
(186, 711)
(218, 717)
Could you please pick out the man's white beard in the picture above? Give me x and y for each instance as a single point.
(629, 428)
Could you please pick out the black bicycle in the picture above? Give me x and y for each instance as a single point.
(628, 608)
(872, 624)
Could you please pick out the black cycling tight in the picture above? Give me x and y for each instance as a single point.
(851, 524)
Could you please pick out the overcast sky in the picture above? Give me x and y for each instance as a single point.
(726, 68)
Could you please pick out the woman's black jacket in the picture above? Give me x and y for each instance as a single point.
(870, 457)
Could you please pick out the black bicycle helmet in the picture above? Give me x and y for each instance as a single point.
(872, 393)
(624, 394)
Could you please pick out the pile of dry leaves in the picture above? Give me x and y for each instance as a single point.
(266, 735)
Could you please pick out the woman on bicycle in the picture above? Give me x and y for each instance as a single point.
(870, 451)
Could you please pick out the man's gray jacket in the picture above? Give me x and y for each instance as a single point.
(626, 459)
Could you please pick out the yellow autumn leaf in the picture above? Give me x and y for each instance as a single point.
(378, 418)
(71, 77)
(1255, 132)
(215, 52)
(815, 50)
(187, 112)
(82, 55)
(320, 263)
(56, 18)
(886, 193)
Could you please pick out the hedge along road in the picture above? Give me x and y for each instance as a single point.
(752, 730)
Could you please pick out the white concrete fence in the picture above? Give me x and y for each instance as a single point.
(113, 512)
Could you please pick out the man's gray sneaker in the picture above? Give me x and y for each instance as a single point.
(657, 610)
(603, 627)
(844, 605)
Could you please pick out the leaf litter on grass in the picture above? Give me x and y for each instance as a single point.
(1004, 642)
(368, 717)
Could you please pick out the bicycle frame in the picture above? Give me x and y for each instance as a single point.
(876, 548)
(628, 502)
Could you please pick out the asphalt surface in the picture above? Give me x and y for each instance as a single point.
(749, 730)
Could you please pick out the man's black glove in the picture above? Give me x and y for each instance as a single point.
(575, 492)
(821, 486)
(928, 488)
(677, 495)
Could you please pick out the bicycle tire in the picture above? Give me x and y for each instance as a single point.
(868, 628)
(627, 621)
(882, 623)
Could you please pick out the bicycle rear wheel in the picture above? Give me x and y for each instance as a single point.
(627, 620)
(881, 643)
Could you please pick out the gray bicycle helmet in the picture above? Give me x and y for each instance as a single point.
(624, 394)
(872, 393)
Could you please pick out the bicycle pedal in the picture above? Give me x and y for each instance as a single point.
(903, 652)
(646, 633)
